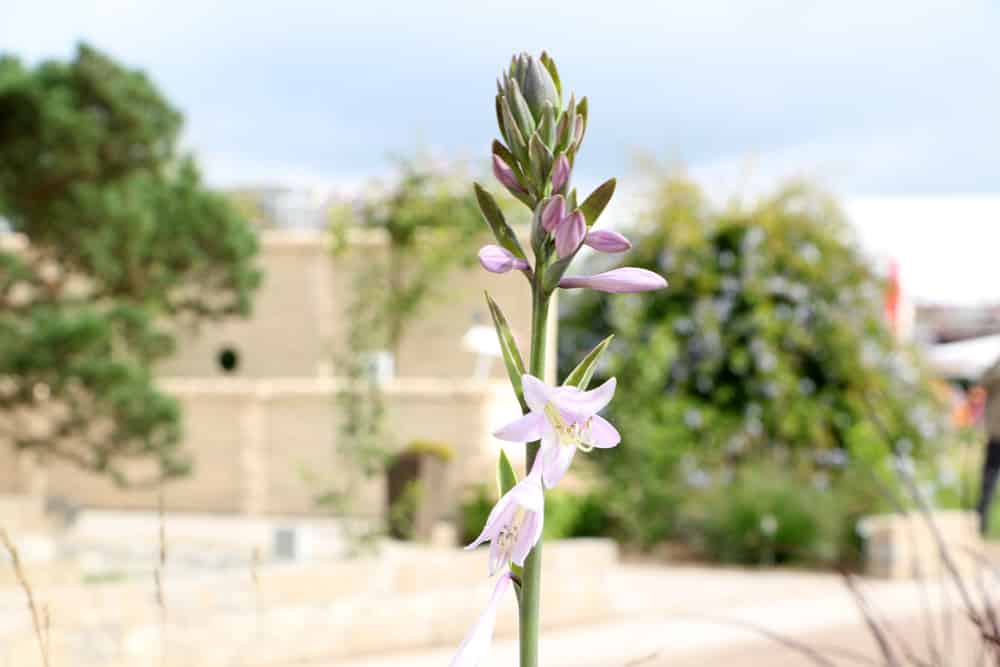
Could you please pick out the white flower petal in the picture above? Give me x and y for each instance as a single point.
(477, 642)
(602, 433)
(583, 404)
(557, 463)
(523, 429)
(536, 392)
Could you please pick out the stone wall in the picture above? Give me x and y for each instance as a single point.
(270, 447)
(286, 614)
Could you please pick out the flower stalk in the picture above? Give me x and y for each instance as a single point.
(530, 589)
(535, 166)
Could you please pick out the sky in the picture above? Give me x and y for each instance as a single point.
(873, 98)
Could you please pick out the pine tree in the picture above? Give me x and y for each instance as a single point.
(116, 244)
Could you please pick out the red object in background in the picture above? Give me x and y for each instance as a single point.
(893, 296)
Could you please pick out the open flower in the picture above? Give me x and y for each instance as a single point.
(565, 419)
(477, 642)
(514, 526)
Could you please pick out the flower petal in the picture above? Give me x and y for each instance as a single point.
(553, 213)
(499, 517)
(526, 539)
(557, 463)
(523, 429)
(536, 392)
(602, 433)
(495, 259)
(605, 240)
(496, 558)
(528, 494)
(583, 404)
(475, 645)
(617, 281)
(570, 233)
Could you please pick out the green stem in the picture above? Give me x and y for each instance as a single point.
(531, 579)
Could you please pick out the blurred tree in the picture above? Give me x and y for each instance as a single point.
(430, 222)
(770, 343)
(121, 244)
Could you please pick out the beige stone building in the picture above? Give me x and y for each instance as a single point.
(260, 395)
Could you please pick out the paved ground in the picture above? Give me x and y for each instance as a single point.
(688, 616)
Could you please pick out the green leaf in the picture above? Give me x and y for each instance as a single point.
(593, 206)
(511, 355)
(580, 376)
(506, 477)
(504, 235)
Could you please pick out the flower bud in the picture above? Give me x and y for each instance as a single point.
(560, 173)
(570, 233)
(535, 83)
(506, 175)
(617, 281)
(553, 213)
(607, 241)
(495, 259)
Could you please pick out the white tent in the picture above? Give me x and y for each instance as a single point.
(965, 359)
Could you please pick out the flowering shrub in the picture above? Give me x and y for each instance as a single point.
(542, 137)
(771, 344)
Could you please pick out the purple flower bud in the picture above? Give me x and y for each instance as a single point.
(499, 260)
(560, 173)
(607, 241)
(618, 281)
(570, 233)
(506, 175)
(553, 213)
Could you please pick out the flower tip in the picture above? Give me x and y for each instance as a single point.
(495, 259)
(607, 241)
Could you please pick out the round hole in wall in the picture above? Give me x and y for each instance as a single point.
(229, 360)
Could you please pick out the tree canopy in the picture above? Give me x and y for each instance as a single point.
(116, 243)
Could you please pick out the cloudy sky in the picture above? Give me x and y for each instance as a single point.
(870, 98)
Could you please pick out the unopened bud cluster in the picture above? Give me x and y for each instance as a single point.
(542, 135)
(541, 138)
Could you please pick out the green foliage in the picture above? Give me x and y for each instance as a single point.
(403, 512)
(569, 514)
(769, 342)
(122, 237)
(764, 516)
(433, 448)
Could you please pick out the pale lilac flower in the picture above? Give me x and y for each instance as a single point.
(506, 175)
(514, 526)
(617, 281)
(553, 213)
(570, 233)
(565, 419)
(560, 173)
(475, 645)
(500, 260)
(607, 241)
